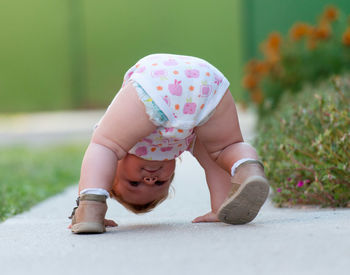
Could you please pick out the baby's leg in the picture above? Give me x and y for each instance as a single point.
(222, 138)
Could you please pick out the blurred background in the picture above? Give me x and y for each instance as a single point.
(72, 54)
(62, 61)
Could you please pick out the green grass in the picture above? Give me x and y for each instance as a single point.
(30, 175)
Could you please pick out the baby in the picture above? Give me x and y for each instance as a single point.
(169, 104)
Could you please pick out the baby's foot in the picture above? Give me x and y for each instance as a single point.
(89, 216)
(249, 192)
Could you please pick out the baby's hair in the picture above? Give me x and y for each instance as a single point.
(139, 208)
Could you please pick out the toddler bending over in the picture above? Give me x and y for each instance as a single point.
(169, 104)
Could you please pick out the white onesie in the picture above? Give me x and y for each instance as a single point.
(184, 91)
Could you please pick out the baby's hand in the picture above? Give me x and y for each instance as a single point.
(209, 217)
(110, 223)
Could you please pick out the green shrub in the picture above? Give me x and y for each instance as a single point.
(305, 146)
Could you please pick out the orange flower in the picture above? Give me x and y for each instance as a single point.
(262, 67)
(322, 32)
(331, 13)
(256, 67)
(250, 66)
(257, 96)
(346, 37)
(271, 47)
(274, 41)
(250, 81)
(300, 30)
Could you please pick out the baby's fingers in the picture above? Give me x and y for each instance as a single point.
(209, 217)
(110, 223)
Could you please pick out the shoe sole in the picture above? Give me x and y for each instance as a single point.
(245, 204)
(88, 227)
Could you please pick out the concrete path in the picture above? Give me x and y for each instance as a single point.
(47, 127)
(278, 241)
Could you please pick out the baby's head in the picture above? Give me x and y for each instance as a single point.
(142, 184)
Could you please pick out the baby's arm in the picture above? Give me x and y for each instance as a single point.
(218, 181)
(124, 123)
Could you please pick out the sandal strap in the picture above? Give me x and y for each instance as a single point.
(252, 161)
(92, 197)
(75, 208)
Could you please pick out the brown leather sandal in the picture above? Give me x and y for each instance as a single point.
(249, 193)
(89, 215)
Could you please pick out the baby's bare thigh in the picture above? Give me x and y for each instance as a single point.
(222, 129)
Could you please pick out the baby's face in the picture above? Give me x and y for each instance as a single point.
(141, 181)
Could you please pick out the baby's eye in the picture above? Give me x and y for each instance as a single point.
(159, 182)
(134, 183)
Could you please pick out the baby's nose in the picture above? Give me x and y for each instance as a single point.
(150, 180)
